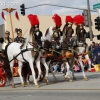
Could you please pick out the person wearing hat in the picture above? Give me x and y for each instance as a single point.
(7, 40)
(19, 38)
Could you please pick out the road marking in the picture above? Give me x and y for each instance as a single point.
(44, 89)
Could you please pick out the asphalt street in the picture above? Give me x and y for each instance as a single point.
(63, 90)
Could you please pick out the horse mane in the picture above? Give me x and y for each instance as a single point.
(47, 31)
(66, 29)
(80, 35)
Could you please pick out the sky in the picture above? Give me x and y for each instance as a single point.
(46, 10)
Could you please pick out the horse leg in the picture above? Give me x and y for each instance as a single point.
(71, 66)
(38, 67)
(11, 67)
(67, 75)
(82, 67)
(47, 70)
(33, 72)
(89, 62)
(20, 74)
(54, 77)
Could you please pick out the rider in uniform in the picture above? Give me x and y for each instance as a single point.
(7, 40)
(19, 38)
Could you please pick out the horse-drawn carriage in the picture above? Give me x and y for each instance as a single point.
(35, 54)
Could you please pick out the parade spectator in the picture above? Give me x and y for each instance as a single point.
(95, 51)
(76, 67)
(92, 45)
(57, 67)
(97, 60)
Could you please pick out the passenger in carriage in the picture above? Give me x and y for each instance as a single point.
(7, 40)
(19, 38)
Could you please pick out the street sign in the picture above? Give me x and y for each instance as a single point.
(95, 6)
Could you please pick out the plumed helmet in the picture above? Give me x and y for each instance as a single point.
(18, 30)
(69, 19)
(57, 20)
(78, 19)
(33, 19)
(7, 32)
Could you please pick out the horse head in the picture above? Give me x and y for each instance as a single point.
(56, 34)
(81, 33)
(68, 30)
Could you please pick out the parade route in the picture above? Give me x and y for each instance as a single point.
(63, 90)
(92, 84)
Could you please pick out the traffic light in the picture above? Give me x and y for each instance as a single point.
(88, 35)
(98, 37)
(86, 21)
(97, 23)
(22, 9)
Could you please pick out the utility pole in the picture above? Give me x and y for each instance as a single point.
(89, 18)
(98, 1)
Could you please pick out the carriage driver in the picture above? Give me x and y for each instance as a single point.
(19, 38)
(7, 40)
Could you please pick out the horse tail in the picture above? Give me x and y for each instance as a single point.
(7, 65)
(25, 71)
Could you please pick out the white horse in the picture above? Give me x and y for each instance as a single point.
(14, 49)
(82, 50)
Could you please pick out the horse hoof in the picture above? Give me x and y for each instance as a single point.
(23, 85)
(37, 86)
(64, 77)
(13, 86)
(85, 79)
(45, 80)
(56, 81)
(70, 80)
(74, 78)
(48, 83)
(28, 83)
(89, 70)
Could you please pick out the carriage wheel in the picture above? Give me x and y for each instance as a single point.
(2, 81)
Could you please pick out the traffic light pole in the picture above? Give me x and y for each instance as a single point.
(89, 18)
(98, 9)
(59, 6)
